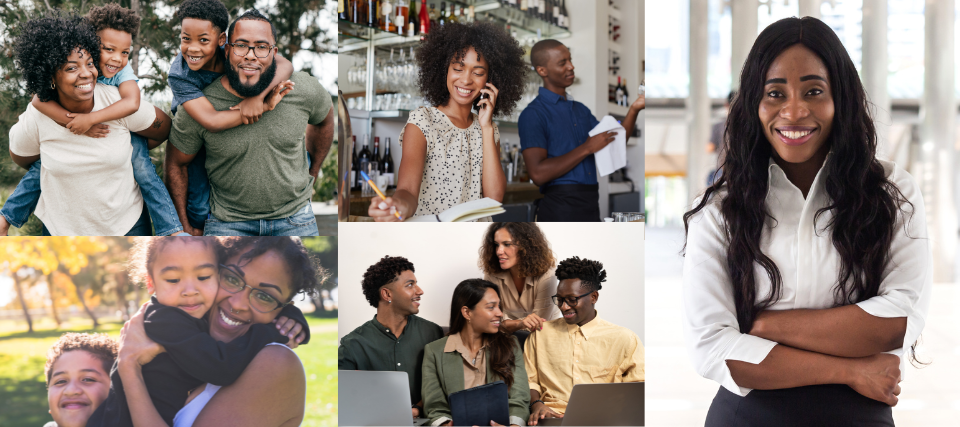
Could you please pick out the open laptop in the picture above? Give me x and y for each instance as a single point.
(618, 404)
(375, 398)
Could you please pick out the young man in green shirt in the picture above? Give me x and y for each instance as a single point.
(394, 339)
(260, 181)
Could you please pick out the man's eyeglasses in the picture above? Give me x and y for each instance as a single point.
(260, 50)
(261, 301)
(571, 301)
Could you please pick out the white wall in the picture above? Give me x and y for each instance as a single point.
(445, 254)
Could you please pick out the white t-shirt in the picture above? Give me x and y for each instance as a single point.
(808, 264)
(87, 183)
(188, 414)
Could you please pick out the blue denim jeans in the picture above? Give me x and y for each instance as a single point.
(302, 223)
(198, 190)
(141, 228)
(24, 199)
(154, 193)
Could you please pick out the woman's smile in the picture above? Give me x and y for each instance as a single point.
(795, 135)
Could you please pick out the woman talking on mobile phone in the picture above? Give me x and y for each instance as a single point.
(807, 274)
(449, 154)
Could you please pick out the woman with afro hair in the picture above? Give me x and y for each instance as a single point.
(449, 154)
(88, 184)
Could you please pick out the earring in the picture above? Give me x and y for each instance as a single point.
(388, 301)
(53, 85)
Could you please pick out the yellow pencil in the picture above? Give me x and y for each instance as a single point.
(379, 193)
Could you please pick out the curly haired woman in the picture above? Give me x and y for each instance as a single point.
(516, 256)
(88, 185)
(449, 154)
(807, 269)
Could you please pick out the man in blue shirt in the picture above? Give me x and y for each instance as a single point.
(554, 136)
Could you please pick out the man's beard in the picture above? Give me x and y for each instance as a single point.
(233, 76)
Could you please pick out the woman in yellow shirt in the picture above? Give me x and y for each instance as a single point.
(516, 256)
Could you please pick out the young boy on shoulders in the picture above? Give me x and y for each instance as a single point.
(201, 61)
(117, 27)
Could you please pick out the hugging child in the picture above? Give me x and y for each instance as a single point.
(116, 27)
(183, 273)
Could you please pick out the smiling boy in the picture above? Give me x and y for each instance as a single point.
(201, 61)
(77, 377)
(116, 28)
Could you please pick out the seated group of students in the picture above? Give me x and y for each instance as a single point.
(576, 346)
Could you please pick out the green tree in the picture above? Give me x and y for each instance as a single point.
(298, 23)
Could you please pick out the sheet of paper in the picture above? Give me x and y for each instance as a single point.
(614, 155)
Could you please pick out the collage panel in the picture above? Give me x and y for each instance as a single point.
(176, 331)
(521, 324)
(96, 147)
(519, 110)
(802, 213)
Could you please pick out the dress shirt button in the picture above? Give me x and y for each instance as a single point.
(398, 364)
(388, 330)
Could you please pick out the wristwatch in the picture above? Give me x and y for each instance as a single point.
(534, 402)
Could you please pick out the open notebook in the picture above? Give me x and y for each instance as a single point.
(469, 211)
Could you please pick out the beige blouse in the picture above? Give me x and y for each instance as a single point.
(453, 168)
(536, 297)
(474, 369)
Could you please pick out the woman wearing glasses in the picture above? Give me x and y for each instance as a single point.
(258, 278)
(516, 256)
(807, 273)
(476, 352)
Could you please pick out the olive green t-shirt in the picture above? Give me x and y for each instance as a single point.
(257, 171)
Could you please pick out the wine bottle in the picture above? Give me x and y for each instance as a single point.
(400, 17)
(386, 15)
(442, 18)
(542, 10)
(386, 165)
(564, 18)
(376, 152)
(357, 14)
(434, 15)
(373, 13)
(452, 16)
(618, 97)
(424, 18)
(363, 159)
(413, 28)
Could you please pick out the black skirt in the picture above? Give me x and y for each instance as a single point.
(816, 405)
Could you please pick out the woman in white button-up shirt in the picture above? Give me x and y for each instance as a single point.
(807, 273)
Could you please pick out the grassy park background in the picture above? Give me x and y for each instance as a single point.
(22, 356)
(53, 285)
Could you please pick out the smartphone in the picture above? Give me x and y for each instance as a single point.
(476, 102)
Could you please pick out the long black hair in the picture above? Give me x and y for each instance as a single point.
(467, 294)
(863, 202)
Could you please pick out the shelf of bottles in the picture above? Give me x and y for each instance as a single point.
(403, 22)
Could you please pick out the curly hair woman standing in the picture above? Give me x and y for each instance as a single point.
(88, 184)
(449, 154)
(516, 256)
(807, 270)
